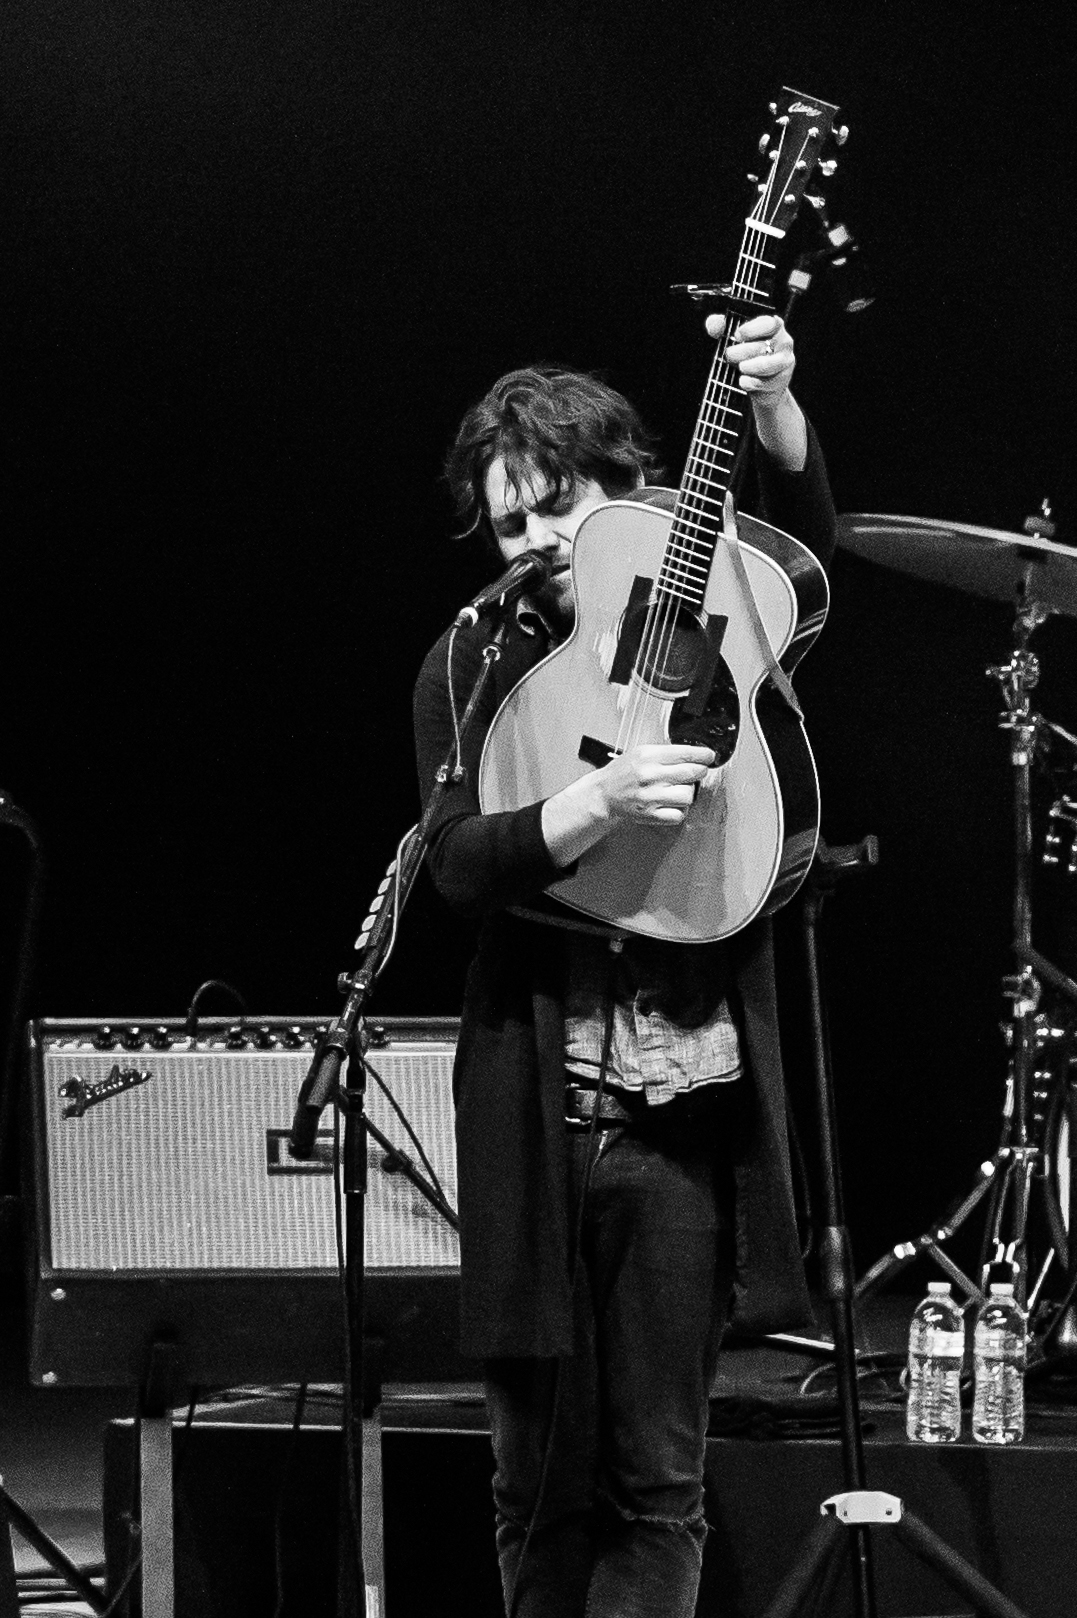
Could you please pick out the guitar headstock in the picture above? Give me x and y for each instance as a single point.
(803, 129)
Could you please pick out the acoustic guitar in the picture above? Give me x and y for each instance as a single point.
(682, 613)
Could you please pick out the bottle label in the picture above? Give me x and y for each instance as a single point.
(947, 1344)
(991, 1342)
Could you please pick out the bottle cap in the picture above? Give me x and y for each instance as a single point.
(938, 1286)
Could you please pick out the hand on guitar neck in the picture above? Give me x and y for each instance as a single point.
(651, 784)
(765, 360)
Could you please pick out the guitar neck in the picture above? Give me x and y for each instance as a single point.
(720, 427)
(723, 418)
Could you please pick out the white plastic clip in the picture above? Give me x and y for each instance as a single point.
(863, 1506)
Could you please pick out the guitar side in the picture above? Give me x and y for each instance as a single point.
(749, 838)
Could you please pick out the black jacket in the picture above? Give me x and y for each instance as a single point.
(509, 1075)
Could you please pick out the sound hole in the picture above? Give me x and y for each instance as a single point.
(666, 652)
(676, 655)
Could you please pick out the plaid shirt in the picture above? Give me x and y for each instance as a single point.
(669, 1034)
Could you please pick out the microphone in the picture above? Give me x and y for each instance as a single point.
(529, 569)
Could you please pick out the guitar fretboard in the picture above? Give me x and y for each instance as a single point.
(697, 518)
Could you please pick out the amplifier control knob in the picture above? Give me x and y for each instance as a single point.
(263, 1037)
(105, 1038)
(133, 1038)
(293, 1037)
(161, 1039)
(236, 1037)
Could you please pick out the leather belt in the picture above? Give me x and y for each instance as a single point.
(697, 1107)
(580, 1103)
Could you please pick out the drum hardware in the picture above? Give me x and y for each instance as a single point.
(1028, 1175)
(1062, 829)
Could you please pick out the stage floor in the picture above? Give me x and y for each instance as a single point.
(772, 1458)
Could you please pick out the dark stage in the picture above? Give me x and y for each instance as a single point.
(772, 1459)
(260, 259)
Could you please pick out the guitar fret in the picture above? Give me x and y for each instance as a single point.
(702, 483)
(694, 490)
(699, 526)
(714, 442)
(690, 554)
(684, 568)
(693, 598)
(709, 499)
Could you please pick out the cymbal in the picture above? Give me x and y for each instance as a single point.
(980, 561)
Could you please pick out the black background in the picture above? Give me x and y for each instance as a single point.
(263, 256)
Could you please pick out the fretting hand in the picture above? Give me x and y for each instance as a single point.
(764, 356)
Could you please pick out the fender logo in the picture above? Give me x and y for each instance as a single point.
(800, 106)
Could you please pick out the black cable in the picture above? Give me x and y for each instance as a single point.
(412, 1136)
(347, 1410)
(191, 1021)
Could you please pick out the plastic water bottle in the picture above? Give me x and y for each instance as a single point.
(999, 1345)
(936, 1349)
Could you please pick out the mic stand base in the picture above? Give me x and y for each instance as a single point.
(816, 1568)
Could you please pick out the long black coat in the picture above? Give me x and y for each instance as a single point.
(509, 1074)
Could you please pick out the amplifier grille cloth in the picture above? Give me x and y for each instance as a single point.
(173, 1173)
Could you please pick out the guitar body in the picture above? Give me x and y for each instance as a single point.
(670, 645)
(747, 842)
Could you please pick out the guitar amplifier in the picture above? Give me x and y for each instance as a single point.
(166, 1207)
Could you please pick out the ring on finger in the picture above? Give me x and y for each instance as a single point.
(768, 347)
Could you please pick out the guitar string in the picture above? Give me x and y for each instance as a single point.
(719, 404)
(681, 558)
(684, 553)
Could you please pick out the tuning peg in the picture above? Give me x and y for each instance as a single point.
(764, 142)
(773, 106)
(842, 135)
(827, 166)
(1041, 525)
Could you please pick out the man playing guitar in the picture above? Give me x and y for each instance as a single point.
(623, 1165)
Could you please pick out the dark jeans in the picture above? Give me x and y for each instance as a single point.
(620, 1526)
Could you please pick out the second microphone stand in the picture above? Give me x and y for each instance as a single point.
(808, 1584)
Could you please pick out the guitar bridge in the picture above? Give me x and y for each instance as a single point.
(595, 752)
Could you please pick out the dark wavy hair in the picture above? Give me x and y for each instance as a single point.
(550, 425)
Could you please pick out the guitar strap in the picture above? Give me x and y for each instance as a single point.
(777, 675)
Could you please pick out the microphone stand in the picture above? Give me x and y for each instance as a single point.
(808, 1585)
(344, 1042)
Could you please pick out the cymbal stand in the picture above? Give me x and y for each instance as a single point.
(1020, 1155)
(1006, 1178)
